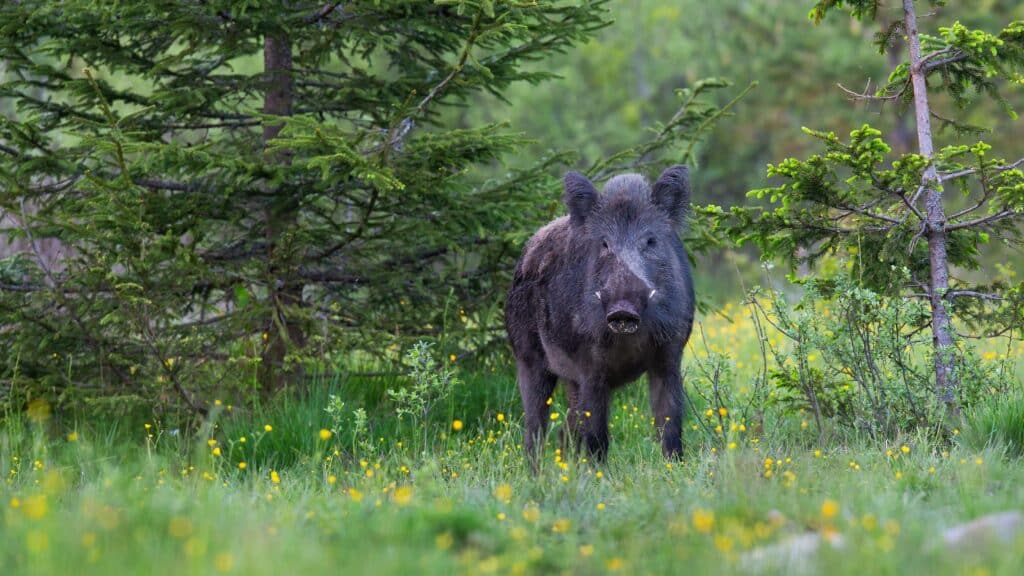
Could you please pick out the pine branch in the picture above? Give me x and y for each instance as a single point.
(27, 287)
(156, 184)
(54, 286)
(398, 132)
(932, 66)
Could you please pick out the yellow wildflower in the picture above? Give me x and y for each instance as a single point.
(829, 508)
(35, 507)
(561, 526)
(223, 562)
(402, 495)
(703, 520)
(503, 492)
(531, 513)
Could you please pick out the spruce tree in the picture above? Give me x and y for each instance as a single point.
(242, 188)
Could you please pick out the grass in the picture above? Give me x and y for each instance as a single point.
(143, 497)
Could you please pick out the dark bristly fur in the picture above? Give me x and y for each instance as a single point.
(581, 307)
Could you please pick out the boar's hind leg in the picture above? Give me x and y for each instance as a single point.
(536, 384)
(666, 391)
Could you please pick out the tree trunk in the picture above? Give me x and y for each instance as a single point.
(935, 216)
(284, 290)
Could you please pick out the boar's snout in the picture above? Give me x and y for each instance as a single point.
(626, 295)
(623, 318)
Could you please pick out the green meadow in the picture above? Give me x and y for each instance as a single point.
(305, 484)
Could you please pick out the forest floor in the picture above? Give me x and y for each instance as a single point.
(273, 490)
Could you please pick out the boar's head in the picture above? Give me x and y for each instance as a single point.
(627, 236)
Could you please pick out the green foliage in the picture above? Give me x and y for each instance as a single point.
(336, 410)
(429, 384)
(859, 9)
(855, 199)
(889, 216)
(227, 224)
(862, 360)
(966, 61)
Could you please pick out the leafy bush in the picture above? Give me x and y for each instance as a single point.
(861, 359)
(430, 383)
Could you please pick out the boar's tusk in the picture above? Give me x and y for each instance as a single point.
(598, 294)
(651, 295)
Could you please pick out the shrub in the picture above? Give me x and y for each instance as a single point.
(861, 359)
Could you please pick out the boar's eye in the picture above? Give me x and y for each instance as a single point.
(604, 244)
(651, 242)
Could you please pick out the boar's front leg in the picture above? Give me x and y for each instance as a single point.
(536, 384)
(592, 414)
(666, 392)
(573, 419)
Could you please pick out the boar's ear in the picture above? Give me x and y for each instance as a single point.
(672, 192)
(580, 197)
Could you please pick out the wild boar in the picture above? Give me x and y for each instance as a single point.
(600, 297)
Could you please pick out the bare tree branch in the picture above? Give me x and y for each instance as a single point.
(973, 294)
(322, 13)
(968, 171)
(864, 212)
(860, 96)
(990, 219)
